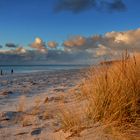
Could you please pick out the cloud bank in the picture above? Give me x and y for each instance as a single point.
(110, 43)
(75, 50)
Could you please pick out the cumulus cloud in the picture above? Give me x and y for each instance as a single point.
(65, 57)
(77, 6)
(19, 50)
(75, 41)
(105, 51)
(52, 44)
(110, 43)
(39, 45)
(11, 45)
(76, 50)
(78, 43)
(34, 57)
(21, 56)
(129, 40)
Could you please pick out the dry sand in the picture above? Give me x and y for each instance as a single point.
(30, 104)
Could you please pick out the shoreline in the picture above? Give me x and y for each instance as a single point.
(22, 94)
(23, 69)
(12, 87)
(54, 106)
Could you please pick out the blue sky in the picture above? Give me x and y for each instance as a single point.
(33, 31)
(23, 20)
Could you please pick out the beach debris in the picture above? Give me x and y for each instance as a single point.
(27, 124)
(33, 83)
(59, 90)
(21, 133)
(6, 93)
(46, 100)
(57, 98)
(36, 131)
(7, 115)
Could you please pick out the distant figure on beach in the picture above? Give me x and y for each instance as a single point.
(1, 73)
(12, 71)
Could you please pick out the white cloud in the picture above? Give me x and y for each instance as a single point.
(52, 44)
(39, 45)
(19, 50)
(76, 41)
(112, 43)
(77, 49)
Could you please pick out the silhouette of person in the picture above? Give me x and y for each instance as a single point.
(12, 71)
(1, 73)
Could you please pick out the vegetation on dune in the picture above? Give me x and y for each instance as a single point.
(113, 96)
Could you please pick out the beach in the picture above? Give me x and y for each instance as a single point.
(26, 97)
(69, 104)
(69, 70)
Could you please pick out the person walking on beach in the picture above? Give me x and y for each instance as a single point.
(12, 71)
(1, 73)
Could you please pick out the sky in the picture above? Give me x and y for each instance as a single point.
(64, 31)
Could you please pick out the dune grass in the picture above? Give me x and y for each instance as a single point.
(113, 95)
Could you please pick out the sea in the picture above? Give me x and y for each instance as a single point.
(6, 69)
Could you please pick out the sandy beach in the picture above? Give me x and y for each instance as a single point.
(56, 105)
(29, 103)
(69, 70)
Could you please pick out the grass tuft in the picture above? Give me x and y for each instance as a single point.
(113, 94)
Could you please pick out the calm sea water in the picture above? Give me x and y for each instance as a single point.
(38, 68)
